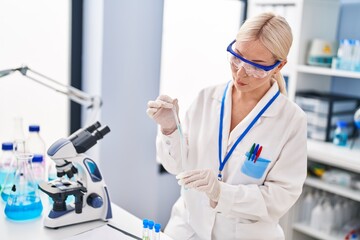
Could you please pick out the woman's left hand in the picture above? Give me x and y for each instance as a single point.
(203, 180)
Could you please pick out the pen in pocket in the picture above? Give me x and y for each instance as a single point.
(258, 154)
(251, 151)
(255, 151)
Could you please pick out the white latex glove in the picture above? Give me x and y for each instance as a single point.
(203, 180)
(161, 111)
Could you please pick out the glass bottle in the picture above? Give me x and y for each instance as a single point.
(23, 201)
(341, 134)
(7, 162)
(38, 168)
(36, 145)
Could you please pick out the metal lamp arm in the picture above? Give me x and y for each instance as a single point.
(74, 94)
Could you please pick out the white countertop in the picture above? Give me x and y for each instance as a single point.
(34, 229)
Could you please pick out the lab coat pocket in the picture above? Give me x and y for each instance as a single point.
(254, 169)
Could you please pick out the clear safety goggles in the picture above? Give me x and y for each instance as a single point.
(252, 69)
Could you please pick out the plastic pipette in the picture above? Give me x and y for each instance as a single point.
(182, 139)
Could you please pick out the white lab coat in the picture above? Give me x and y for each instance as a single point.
(248, 208)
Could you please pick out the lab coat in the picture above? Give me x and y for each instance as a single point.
(249, 207)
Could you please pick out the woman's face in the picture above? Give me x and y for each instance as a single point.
(244, 75)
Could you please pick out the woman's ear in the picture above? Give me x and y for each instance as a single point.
(280, 66)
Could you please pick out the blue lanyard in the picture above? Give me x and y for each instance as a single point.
(227, 156)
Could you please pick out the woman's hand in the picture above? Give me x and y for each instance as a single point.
(202, 180)
(161, 111)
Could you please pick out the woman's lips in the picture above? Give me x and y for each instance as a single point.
(241, 83)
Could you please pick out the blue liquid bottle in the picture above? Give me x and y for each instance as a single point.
(341, 134)
(23, 201)
(7, 162)
(8, 167)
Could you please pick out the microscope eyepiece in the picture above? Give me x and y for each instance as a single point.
(99, 134)
(85, 138)
(93, 127)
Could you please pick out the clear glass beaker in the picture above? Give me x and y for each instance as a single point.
(22, 201)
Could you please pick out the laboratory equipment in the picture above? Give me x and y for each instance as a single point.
(78, 176)
(307, 206)
(182, 139)
(7, 162)
(321, 53)
(157, 231)
(23, 201)
(357, 118)
(19, 135)
(316, 216)
(357, 127)
(348, 56)
(76, 95)
(341, 134)
(145, 234)
(324, 110)
(35, 143)
(19, 149)
(38, 168)
(151, 229)
(9, 176)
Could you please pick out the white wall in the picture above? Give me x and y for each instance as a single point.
(130, 77)
(35, 33)
(196, 34)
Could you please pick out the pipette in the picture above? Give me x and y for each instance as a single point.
(182, 139)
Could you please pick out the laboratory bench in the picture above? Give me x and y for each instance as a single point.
(34, 229)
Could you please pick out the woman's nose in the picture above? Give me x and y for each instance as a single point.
(241, 71)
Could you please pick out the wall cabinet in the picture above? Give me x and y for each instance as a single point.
(311, 19)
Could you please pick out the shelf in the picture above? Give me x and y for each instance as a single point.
(332, 188)
(327, 71)
(330, 154)
(276, 2)
(314, 233)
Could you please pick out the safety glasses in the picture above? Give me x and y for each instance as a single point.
(251, 68)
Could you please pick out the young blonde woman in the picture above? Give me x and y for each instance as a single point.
(245, 160)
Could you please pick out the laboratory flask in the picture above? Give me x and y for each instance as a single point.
(23, 201)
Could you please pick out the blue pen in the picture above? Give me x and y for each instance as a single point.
(255, 151)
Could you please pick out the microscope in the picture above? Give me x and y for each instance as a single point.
(78, 175)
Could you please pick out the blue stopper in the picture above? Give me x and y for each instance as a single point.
(157, 227)
(151, 224)
(7, 146)
(34, 128)
(341, 123)
(37, 158)
(145, 223)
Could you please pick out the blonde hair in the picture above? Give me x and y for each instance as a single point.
(274, 33)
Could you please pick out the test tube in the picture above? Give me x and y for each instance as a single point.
(145, 230)
(157, 231)
(151, 229)
(182, 139)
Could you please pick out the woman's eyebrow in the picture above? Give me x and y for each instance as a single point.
(255, 60)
